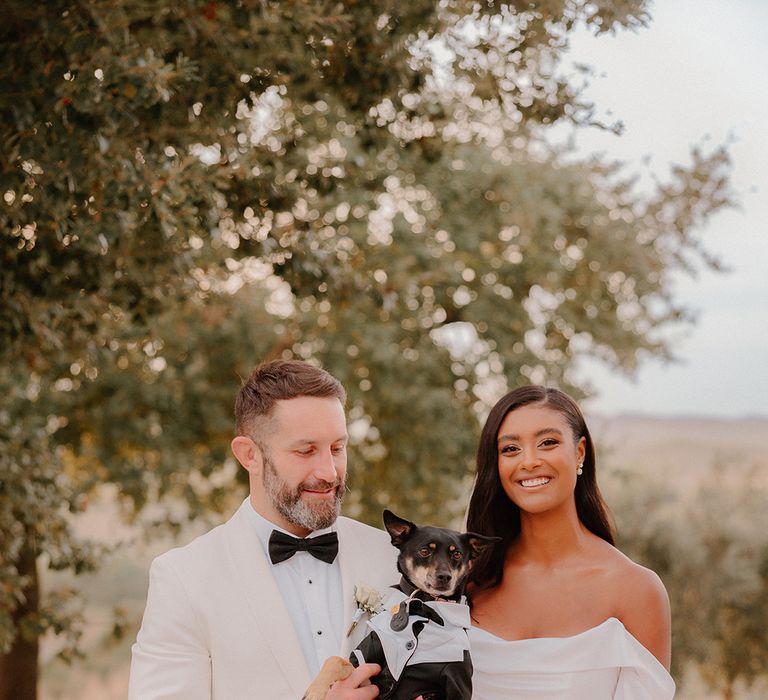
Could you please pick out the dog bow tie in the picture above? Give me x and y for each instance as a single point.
(323, 547)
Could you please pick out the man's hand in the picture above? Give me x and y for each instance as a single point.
(358, 686)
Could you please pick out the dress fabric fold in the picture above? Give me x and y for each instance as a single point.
(603, 663)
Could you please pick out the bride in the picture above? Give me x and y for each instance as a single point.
(558, 611)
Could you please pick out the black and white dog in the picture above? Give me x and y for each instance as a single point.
(420, 638)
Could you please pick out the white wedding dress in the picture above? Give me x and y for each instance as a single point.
(603, 663)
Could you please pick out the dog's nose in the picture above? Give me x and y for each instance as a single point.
(443, 579)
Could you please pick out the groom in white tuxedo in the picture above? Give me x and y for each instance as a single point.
(252, 608)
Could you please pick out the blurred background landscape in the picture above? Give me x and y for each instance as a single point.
(436, 201)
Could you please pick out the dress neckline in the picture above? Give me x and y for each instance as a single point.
(610, 620)
(607, 644)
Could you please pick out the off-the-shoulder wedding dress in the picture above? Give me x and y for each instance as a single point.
(603, 663)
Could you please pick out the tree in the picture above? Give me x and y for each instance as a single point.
(713, 560)
(190, 188)
(726, 600)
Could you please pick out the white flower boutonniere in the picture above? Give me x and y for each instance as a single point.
(368, 602)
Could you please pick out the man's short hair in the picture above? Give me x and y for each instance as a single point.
(280, 380)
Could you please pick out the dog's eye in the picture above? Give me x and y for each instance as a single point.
(456, 554)
(425, 552)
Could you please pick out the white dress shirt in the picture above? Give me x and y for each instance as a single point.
(312, 593)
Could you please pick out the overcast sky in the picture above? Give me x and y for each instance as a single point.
(698, 71)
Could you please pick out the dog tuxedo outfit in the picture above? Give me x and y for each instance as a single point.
(422, 646)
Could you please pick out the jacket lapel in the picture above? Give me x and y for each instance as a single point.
(349, 577)
(271, 617)
(358, 565)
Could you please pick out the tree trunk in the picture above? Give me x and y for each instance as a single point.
(18, 668)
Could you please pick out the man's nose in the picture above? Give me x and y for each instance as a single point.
(325, 467)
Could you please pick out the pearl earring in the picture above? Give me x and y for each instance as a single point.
(580, 470)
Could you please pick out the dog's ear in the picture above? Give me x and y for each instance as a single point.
(479, 543)
(398, 528)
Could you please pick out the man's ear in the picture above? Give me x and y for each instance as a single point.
(248, 453)
(399, 529)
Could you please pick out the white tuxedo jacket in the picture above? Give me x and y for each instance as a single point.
(216, 626)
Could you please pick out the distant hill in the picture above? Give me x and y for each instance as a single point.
(689, 447)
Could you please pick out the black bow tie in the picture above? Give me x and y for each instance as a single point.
(323, 547)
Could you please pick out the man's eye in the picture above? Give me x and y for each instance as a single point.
(339, 449)
(425, 552)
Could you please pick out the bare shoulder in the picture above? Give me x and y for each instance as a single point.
(642, 604)
(630, 588)
(638, 588)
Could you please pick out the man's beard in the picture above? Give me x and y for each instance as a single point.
(289, 503)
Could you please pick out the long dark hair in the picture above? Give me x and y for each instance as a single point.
(492, 513)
